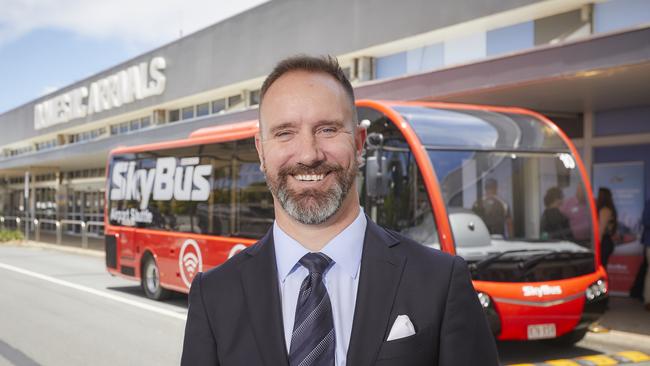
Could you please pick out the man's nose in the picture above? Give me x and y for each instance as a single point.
(308, 149)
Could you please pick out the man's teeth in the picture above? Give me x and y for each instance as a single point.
(310, 177)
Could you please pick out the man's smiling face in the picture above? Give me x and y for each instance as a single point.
(308, 145)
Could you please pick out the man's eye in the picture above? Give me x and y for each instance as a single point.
(328, 131)
(282, 134)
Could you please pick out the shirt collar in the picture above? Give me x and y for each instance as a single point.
(345, 248)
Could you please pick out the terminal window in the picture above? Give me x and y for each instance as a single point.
(218, 105)
(202, 109)
(188, 112)
(174, 115)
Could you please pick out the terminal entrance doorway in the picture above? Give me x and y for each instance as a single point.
(85, 206)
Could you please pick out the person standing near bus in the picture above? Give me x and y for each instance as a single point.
(326, 285)
(645, 239)
(607, 223)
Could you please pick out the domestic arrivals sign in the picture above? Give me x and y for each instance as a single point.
(121, 88)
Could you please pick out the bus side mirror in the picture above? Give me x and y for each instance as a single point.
(377, 179)
(377, 174)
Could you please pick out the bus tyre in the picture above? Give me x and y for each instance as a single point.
(150, 280)
(570, 339)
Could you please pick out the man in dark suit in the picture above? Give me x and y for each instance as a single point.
(326, 285)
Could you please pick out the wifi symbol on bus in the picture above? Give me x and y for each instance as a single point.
(190, 261)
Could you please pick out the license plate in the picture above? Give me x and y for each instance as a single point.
(541, 331)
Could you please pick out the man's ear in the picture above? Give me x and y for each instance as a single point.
(260, 149)
(360, 139)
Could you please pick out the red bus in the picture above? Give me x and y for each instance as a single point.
(485, 183)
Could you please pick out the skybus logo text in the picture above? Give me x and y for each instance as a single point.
(186, 181)
(543, 290)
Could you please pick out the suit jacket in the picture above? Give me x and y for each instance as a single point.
(235, 314)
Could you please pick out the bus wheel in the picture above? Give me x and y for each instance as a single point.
(150, 280)
(569, 339)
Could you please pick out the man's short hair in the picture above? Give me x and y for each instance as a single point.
(323, 64)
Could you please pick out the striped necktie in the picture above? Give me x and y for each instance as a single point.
(313, 340)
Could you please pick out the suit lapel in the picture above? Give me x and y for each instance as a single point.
(381, 271)
(260, 282)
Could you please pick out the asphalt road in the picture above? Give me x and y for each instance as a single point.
(74, 313)
(63, 308)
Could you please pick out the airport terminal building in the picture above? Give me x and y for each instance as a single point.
(585, 64)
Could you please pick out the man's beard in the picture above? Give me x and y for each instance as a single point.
(312, 206)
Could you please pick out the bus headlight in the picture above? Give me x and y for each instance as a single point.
(484, 299)
(596, 290)
(490, 312)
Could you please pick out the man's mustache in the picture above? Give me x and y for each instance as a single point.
(317, 169)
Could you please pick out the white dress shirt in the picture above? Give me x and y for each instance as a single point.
(341, 280)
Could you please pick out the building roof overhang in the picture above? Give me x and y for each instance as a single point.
(601, 72)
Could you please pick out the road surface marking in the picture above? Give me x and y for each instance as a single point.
(634, 356)
(625, 357)
(93, 291)
(15, 356)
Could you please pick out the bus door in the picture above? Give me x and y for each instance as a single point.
(126, 245)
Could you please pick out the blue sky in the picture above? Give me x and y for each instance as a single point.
(50, 44)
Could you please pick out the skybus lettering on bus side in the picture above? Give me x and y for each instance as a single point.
(185, 181)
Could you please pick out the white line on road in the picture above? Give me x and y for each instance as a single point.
(93, 291)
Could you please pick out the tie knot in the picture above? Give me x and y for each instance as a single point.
(316, 262)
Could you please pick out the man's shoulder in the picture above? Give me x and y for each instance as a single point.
(418, 253)
(422, 261)
(230, 269)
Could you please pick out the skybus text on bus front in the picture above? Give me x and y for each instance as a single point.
(185, 181)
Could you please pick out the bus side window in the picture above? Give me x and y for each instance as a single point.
(254, 204)
(216, 218)
(156, 208)
(115, 205)
(172, 214)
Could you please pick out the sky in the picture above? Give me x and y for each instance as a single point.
(49, 44)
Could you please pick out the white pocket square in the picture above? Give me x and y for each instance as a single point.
(401, 328)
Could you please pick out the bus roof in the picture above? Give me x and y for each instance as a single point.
(206, 135)
(228, 129)
(445, 105)
(246, 129)
(466, 126)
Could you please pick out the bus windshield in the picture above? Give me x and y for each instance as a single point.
(508, 180)
(525, 198)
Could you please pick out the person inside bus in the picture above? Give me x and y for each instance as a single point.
(577, 211)
(607, 223)
(494, 211)
(326, 285)
(554, 225)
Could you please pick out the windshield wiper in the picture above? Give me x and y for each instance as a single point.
(532, 262)
(479, 266)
